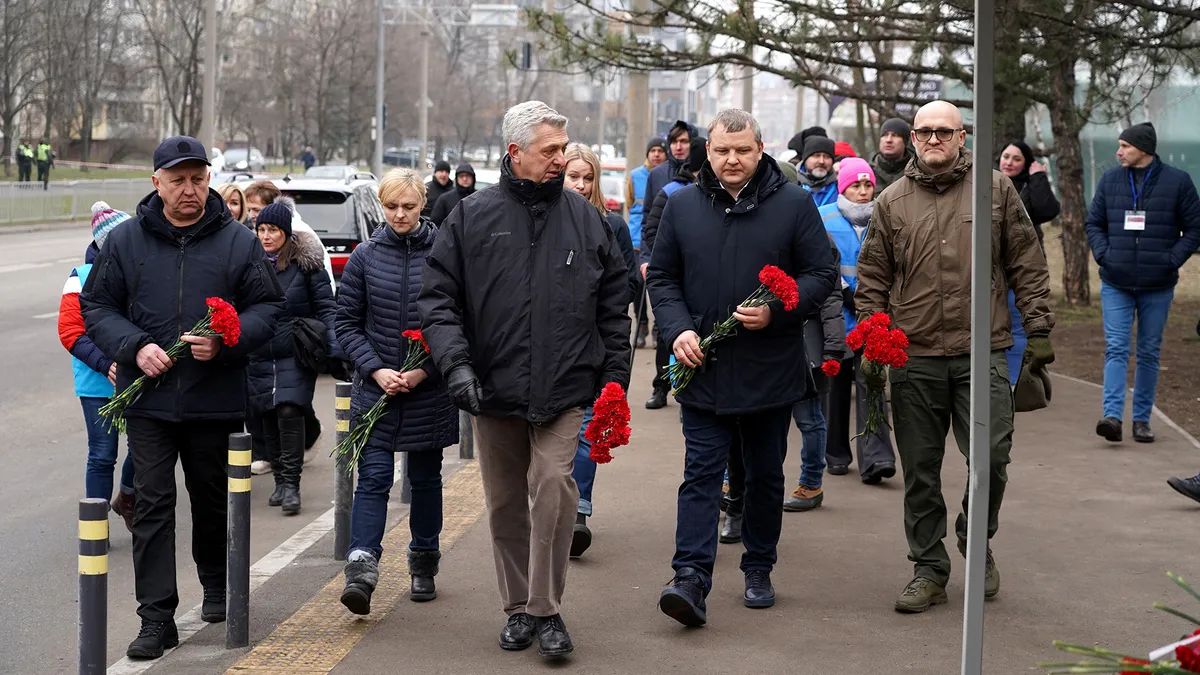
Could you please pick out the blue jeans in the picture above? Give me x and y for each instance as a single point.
(368, 517)
(1015, 353)
(1119, 308)
(707, 439)
(584, 472)
(102, 453)
(811, 422)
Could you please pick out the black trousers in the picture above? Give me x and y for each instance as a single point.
(662, 359)
(201, 447)
(24, 171)
(44, 174)
(871, 450)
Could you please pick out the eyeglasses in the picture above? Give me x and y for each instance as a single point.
(943, 135)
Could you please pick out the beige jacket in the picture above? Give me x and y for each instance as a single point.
(915, 262)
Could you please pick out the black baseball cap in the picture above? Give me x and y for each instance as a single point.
(178, 149)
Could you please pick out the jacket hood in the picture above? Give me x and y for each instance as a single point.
(216, 215)
(526, 191)
(465, 168)
(304, 250)
(420, 237)
(766, 181)
(940, 182)
(693, 134)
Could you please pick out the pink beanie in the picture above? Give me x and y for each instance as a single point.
(852, 170)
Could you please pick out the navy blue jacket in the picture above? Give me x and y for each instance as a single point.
(377, 301)
(1143, 260)
(706, 261)
(149, 284)
(84, 348)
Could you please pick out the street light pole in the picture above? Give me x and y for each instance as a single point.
(381, 53)
(208, 111)
(423, 103)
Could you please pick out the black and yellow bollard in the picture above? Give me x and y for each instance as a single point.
(343, 478)
(93, 586)
(237, 561)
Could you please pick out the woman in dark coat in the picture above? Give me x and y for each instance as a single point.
(279, 390)
(1029, 177)
(377, 302)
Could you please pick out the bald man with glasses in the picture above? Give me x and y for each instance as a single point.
(915, 265)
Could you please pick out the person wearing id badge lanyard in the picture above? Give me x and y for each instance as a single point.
(1143, 225)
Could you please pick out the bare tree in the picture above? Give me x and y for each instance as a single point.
(18, 68)
(173, 32)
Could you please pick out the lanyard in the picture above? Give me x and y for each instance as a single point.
(1137, 192)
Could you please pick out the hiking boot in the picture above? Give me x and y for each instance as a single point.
(581, 536)
(878, 472)
(731, 531)
(153, 639)
(804, 498)
(422, 568)
(658, 399)
(991, 575)
(290, 501)
(919, 595)
(683, 598)
(1109, 429)
(123, 505)
(553, 639)
(362, 574)
(1142, 432)
(213, 609)
(1188, 487)
(276, 497)
(517, 633)
(759, 591)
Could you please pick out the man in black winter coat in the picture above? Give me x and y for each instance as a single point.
(713, 239)
(523, 304)
(149, 286)
(437, 186)
(464, 186)
(679, 146)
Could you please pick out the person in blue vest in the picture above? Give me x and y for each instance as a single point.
(635, 197)
(817, 176)
(1143, 226)
(847, 220)
(95, 374)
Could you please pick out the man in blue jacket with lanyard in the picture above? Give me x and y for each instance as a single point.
(1143, 225)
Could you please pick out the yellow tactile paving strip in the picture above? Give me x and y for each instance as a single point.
(322, 632)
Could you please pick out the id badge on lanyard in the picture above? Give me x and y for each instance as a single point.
(1135, 220)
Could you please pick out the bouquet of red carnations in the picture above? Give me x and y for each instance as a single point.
(883, 347)
(355, 442)
(774, 286)
(221, 321)
(609, 427)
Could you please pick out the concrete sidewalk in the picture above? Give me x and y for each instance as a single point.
(1087, 532)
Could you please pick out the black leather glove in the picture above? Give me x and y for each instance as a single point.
(848, 300)
(464, 388)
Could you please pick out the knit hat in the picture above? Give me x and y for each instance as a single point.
(816, 144)
(277, 214)
(1141, 136)
(896, 126)
(797, 142)
(842, 149)
(442, 165)
(656, 142)
(104, 219)
(852, 170)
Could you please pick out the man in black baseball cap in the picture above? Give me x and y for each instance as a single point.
(178, 149)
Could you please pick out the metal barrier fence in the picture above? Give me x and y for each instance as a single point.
(68, 200)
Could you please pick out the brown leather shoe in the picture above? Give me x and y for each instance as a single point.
(123, 505)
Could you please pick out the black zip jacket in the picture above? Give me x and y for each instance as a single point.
(149, 285)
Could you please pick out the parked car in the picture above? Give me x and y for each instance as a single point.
(245, 159)
(405, 158)
(612, 183)
(342, 172)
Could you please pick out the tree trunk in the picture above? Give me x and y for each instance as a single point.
(1065, 124)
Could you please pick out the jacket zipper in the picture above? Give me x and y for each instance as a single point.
(404, 326)
(179, 323)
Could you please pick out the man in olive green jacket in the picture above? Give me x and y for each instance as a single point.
(915, 265)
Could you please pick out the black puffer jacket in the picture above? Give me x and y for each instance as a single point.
(149, 284)
(706, 260)
(273, 376)
(621, 231)
(377, 302)
(528, 285)
(433, 191)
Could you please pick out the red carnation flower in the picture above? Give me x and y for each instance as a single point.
(415, 335)
(831, 367)
(224, 320)
(418, 350)
(609, 427)
(1189, 657)
(1132, 661)
(781, 285)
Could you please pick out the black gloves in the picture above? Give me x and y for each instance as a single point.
(464, 388)
(848, 300)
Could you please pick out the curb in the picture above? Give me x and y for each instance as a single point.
(1157, 411)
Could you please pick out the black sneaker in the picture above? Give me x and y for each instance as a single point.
(517, 633)
(553, 639)
(683, 598)
(759, 591)
(878, 472)
(153, 639)
(838, 469)
(213, 609)
(1109, 429)
(1188, 487)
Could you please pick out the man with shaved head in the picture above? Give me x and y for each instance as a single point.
(915, 265)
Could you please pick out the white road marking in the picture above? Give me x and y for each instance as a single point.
(47, 315)
(21, 267)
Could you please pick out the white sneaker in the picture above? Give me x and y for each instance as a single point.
(260, 466)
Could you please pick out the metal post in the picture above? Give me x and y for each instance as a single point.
(93, 586)
(237, 563)
(381, 53)
(638, 113)
(423, 102)
(343, 480)
(208, 113)
(981, 340)
(466, 436)
(405, 484)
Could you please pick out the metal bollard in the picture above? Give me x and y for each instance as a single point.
(466, 436)
(405, 484)
(343, 481)
(237, 562)
(93, 586)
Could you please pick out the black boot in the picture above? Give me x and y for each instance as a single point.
(291, 457)
(213, 609)
(581, 536)
(276, 497)
(153, 639)
(362, 574)
(658, 399)
(422, 568)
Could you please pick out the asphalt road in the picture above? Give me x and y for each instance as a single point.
(44, 449)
